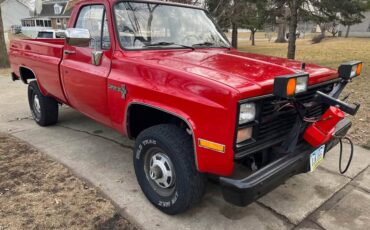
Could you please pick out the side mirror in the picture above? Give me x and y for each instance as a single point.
(78, 37)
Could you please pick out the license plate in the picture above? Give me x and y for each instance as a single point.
(316, 158)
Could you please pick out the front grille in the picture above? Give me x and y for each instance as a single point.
(273, 125)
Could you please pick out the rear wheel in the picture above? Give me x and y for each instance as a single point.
(165, 169)
(44, 109)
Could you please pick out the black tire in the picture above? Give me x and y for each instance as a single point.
(45, 111)
(188, 186)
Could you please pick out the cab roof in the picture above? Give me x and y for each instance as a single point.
(148, 1)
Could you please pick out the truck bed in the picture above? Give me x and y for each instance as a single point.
(43, 58)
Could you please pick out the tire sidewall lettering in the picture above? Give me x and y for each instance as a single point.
(168, 203)
(143, 145)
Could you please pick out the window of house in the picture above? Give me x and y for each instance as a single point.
(29, 23)
(47, 23)
(93, 18)
(40, 23)
(58, 9)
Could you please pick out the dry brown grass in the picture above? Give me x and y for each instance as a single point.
(331, 52)
(5, 72)
(37, 193)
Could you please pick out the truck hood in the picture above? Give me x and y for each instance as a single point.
(237, 69)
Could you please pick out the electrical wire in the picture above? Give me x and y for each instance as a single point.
(341, 154)
(297, 105)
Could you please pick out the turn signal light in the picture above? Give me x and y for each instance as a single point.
(244, 134)
(359, 69)
(290, 89)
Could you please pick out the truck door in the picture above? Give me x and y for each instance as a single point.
(85, 83)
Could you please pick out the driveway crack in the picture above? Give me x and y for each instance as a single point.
(20, 119)
(326, 205)
(99, 136)
(278, 215)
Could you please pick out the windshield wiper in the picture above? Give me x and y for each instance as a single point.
(168, 44)
(204, 44)
(209, 44)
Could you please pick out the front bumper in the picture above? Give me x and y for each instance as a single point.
(242, 192)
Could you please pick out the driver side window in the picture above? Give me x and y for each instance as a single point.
(93, 18)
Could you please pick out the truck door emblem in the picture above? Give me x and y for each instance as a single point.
(121, 89)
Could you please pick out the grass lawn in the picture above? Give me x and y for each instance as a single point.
(331, 52)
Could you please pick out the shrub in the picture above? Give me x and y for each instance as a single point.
(317, 39)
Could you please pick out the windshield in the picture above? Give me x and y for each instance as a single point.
(153, 25)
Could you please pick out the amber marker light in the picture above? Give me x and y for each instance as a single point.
(211, 145)
(290, 89)
(359, 69)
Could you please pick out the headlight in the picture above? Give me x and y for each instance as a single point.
(290, 85)
(301, 85)
(247, 113)
(350, 70)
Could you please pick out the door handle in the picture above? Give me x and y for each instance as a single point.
(68, 52)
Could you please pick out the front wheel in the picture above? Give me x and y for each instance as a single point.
(165, 169)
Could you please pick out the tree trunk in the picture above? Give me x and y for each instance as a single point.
(281, 33)
(323, 29)
(253, 37)
(293, 23)
(4, 62)
(348, 30)
(234, 35)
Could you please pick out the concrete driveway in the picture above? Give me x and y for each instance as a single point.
(320, 200)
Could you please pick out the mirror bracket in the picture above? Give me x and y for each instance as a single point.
(96, 58)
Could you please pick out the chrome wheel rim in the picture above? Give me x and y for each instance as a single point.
(160, 172)
(36, 106)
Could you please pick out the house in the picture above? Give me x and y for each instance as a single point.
(49, 15)
(359, 30)
(12, 12)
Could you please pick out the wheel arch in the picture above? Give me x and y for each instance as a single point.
(26, 74)
(160, 110)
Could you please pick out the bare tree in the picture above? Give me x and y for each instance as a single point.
(294, 6)
(4, 61)
(282, 14)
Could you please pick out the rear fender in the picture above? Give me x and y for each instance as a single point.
(22, 72)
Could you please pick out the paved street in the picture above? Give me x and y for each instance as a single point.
(320, 200)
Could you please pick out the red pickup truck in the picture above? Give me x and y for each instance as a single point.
(165, 75)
